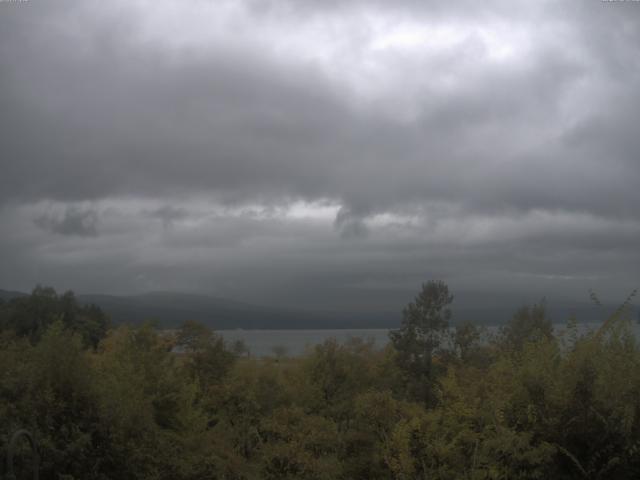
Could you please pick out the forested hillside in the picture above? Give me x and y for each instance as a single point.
(436, 403)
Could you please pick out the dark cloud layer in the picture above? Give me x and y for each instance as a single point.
(73, 222)
(320, 153)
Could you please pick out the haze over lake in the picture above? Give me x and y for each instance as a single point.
(295, 342)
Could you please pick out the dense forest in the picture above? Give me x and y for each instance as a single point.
(438, 402)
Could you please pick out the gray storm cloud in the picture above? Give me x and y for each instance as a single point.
(73, 221)
(320, 153)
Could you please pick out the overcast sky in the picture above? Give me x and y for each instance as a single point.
(323, 154)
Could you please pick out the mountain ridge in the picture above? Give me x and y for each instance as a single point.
(170, 309)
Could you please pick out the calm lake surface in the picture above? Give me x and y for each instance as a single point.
(295, 342)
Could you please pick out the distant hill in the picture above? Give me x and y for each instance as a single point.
(170, 309)
(8, 294)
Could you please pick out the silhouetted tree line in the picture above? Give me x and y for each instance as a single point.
(437, 402)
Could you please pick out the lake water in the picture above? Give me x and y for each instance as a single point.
(295, 342)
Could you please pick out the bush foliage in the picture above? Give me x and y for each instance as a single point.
(436, 403)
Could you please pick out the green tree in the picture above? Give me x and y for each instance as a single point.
(299, 446)
(48, 389)
(424, 324)
(528, 324)
(148, 409)
(31, 315)
(206, 356)
(466, 341)
(333, 374)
